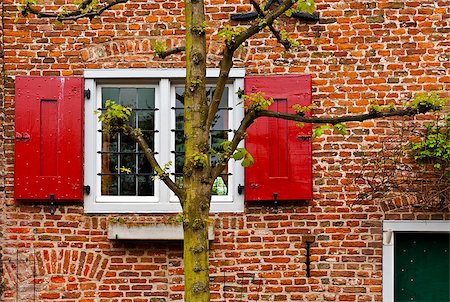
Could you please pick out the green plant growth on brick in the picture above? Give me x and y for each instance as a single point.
(435, 147)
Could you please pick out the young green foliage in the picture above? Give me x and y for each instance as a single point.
(158, 47)
(200, 160)
(245, 156)
(428, 101)
(164, 172)
(114, 117)
(435, 147)
(341, 128)
(307, 6)
(123, 169)
(200, 30)
(25, 8)
(301, 110)
(285, 36)
(257, 102)
(229, 33)
(319, 131)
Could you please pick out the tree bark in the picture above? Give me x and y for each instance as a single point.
(196, 244)
(196, 172)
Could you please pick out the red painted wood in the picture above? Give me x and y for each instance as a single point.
(49, 111)
(282, 150)
(49, 132)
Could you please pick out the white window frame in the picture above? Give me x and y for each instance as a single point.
(164, 200)
(390, 227)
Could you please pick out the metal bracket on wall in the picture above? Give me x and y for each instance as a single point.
(87, 94)
(87, 190)
(240, 189)
(308, 239)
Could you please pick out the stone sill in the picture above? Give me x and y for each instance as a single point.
(142, 231)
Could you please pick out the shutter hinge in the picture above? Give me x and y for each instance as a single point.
(52, 204)
(275, 202)
(87, 190)
(87, 94)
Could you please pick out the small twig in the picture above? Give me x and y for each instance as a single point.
(150, 155)
(172, 51)
(286, 44)
(260, 24)
(75, 14)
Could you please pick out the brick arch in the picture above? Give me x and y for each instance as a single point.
(124, 50)
(55, 274)
(140, 50)
(69, 274)
(74, 262)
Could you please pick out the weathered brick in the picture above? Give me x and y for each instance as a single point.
(357, 52)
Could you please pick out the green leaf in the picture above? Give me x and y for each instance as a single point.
(307, 6)
(225, 145)
(319, 131)
(341, 128)
(248, 161)
(239, 154)
(435, 145)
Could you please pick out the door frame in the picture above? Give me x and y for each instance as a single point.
(389, 229)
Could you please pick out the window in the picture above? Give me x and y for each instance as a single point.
(119, 152)
(416, 260)
(119, 176)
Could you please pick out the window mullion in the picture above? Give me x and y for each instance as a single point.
(136, 155)
(163, 143)
(119, 162)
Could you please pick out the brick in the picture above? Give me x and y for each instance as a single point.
(358, 52)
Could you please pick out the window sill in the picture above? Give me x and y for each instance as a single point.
(143, 231)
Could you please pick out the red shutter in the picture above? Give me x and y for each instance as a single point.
(49, 138)
(281, 149)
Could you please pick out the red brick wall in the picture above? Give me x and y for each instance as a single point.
(359, 51)
(2, 157)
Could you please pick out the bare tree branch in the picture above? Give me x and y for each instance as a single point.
(252, 115)
(225, 66)
(172, 51)
(258, 25)
(227, 61)
(286, 44)
(136, 135)
(341, 119)
(239, 135)
(74, 14)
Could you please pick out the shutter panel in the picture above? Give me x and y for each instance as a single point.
(49, 138)
(282, 150)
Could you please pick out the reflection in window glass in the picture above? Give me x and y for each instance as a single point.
(124, 170)
(218, 134)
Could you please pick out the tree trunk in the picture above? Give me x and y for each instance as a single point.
(196, 248)
(196, 172)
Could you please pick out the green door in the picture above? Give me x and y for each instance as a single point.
(422, 267)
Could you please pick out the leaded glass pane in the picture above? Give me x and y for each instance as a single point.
(124, 170)
(218, 134)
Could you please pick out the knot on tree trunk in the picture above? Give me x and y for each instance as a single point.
(197, 57)
(199, 288)
(197, 249)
